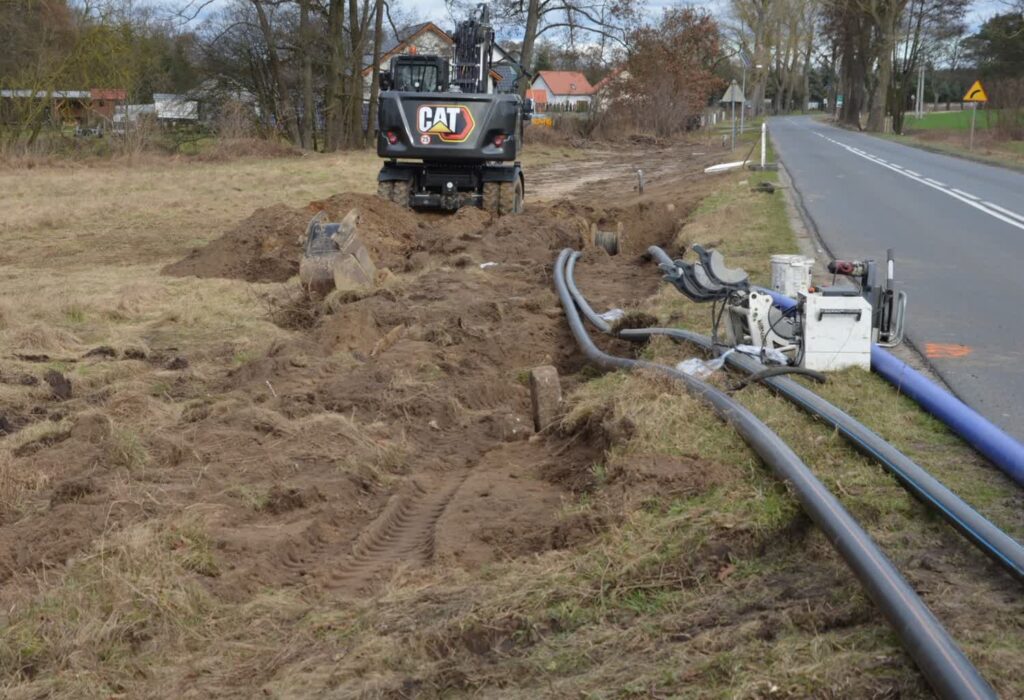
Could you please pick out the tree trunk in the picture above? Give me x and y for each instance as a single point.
(358, 29)
(332, 96)
(378, 37)
(879, 99)
(305, 39)
(529, 39)
(285, 110)
(886, 18)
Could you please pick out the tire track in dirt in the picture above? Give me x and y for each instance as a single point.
(404, 533)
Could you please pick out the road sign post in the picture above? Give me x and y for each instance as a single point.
(975, 94)
(974, 117)
(732, 96)
(733, 142)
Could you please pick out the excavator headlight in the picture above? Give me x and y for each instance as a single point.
(499, 140)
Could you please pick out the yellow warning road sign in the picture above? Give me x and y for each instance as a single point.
(976, 93)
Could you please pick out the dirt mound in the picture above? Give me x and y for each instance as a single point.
(263, 248)
(267, 246)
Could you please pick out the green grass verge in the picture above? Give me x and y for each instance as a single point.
(950, 121)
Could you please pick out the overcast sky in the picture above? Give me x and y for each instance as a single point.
(435, 10)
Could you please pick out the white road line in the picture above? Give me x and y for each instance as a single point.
(998, 208)
(995, 211)
(915, 174)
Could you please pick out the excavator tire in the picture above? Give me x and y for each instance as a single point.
(492, 198)
(396, 191)
(511, 200)
(400, 193)
(503, 198)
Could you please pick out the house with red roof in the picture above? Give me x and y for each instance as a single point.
(561, 88)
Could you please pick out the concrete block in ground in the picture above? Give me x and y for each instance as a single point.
(546, 394)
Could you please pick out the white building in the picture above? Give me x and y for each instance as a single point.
(561, 88)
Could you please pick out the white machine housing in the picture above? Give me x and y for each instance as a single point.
(837, 332)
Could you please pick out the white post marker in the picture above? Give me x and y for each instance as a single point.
(975, 94)
(764, 141)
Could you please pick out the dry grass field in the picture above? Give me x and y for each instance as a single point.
(215, 486)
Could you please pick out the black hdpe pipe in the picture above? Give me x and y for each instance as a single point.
(995, 543)
(979, 530)
(942, 663)
(1005, 452)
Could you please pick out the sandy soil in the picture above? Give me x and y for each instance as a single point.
(378, 433)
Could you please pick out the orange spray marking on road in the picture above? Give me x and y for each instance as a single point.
(945, 351)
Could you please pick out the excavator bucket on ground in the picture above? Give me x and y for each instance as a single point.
(333, 257)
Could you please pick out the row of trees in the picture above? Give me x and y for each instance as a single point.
(867, 54)
(301, 61)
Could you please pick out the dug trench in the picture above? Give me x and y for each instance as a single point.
(384, 431)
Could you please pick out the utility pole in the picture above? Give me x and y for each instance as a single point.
(732, 102)
(920, 100)
(743, 106)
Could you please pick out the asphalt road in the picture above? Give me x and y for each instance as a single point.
(957, 228)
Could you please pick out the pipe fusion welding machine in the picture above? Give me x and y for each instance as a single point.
(829, 328)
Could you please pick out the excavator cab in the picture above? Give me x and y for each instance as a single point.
(417, 74)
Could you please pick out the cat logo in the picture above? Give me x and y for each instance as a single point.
(449, 123)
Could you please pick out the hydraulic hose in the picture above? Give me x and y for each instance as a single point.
(942, 663)
(980, 433)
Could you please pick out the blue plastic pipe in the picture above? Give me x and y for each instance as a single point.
(1002, 450)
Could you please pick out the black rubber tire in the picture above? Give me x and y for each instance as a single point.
(517, 197)
(384, 189)
(492, 198)
(400, 193)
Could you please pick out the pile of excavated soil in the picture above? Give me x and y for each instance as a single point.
(267, 246)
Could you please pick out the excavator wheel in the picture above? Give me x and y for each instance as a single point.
(396, 191)
(517, 197)
(492, 197)
(503, 198)
(400, 193)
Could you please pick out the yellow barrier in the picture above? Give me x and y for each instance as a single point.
(543, 121)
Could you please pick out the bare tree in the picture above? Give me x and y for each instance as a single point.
(285, 109)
